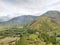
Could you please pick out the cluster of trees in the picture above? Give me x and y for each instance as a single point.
(12, 32)
(30, 36)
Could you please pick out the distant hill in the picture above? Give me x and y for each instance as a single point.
(20, 20)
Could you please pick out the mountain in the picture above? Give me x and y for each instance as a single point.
(53, 14)
(50, 21)
(20, 20)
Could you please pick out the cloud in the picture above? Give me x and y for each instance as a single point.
(27, 7)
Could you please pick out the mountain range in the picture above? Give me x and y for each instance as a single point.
(20, 20)
(52, 16)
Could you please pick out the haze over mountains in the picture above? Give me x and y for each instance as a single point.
(27, 19)
(4, 18)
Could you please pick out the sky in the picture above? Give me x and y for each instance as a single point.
(14, 8)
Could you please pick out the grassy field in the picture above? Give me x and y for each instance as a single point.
(6, 40)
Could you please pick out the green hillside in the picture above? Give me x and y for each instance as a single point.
(45, 24)
(50, 22)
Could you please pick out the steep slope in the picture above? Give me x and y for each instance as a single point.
(49, 21)
(44, 23)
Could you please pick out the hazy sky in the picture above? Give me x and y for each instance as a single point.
(27, 7)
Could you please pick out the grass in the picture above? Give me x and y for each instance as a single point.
(8, 39)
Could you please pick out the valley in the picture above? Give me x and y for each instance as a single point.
(31, 30)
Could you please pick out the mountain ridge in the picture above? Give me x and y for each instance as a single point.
(20, 20)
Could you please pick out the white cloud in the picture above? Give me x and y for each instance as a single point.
(27, 7)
